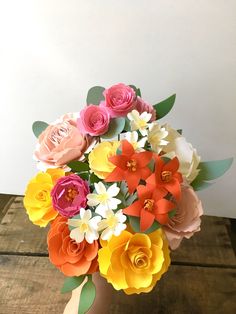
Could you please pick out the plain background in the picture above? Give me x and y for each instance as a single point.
(53, 51)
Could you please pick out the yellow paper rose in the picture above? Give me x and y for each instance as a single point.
(37, 200)
(98, 158)
(134, 262)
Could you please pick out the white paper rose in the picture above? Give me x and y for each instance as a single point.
(187, 155)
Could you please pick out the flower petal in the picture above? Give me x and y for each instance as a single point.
(100, 188)
(76, 235)
(146, 220)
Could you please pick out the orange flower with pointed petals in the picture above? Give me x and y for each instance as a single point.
(150, 206)
(130, 166)
(166, 177)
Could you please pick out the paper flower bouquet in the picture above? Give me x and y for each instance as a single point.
(117, 188)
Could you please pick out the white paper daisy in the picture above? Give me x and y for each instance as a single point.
(139, 121)
(85, 227)
(132, 137)
(112, 224)
(104, 198)
(156, 136)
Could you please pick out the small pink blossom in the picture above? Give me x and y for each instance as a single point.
(187, 220)
(93, 120)
(69, 195)
(120, 99)
(143, 106)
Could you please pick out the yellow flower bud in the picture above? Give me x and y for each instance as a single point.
(99, 158)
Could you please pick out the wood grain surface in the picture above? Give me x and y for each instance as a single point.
(202, 278)
(30, 284)
(210, 246)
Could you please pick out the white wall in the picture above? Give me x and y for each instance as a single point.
(52, 51)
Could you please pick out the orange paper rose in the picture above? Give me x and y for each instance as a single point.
(134, 262)
(73, 259)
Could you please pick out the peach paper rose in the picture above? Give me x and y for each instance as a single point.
(187, 220)
(72, 258)
(60, 143)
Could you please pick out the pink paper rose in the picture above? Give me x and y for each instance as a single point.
(187, 220)
(142, 106)
(93, 120)
(60, 143)
(69, 194)
(120, 99)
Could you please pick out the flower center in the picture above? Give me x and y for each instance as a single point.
(42, 196)
(83, 227)
(103, 197)
(142, 123)
(166, 176)
(148, 204)
(141, 261)
(132, 165)
(111, 221)
(59, 133)
(71, 194)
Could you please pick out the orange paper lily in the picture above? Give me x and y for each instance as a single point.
(166, 177)
(149, 207)
(130, 166)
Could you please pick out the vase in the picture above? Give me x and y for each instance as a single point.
(102, 302)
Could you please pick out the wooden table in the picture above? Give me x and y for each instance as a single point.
(202, 278)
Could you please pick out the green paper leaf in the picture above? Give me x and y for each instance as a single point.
(78, 166)
(95, 95)
(172, 213)
(87, 296)
(116, 127)
(84, 175)
(94, 178)
(163, 107)
(199, 184)
(38, 127)
(72, 283)
(127, 127)
(137, 90)
(131, 199)
(74, 217)
(210, 170)
(135, 224)
(151, 165)
(123, 187)
(118, 151)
